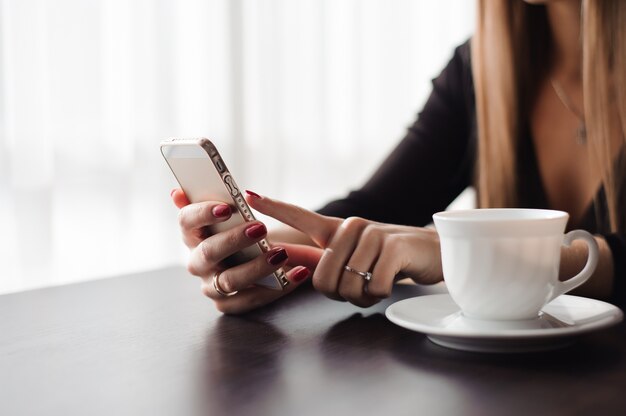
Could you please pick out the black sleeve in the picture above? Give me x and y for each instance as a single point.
(617, 244)
(432, 164)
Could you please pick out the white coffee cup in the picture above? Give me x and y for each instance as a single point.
(503, 264)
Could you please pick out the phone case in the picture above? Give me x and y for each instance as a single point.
(204, 180)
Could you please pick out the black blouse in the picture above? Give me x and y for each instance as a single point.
(435, 162)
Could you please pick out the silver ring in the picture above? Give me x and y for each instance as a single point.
(367, 276)
(218, 289)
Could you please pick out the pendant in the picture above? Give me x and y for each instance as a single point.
(581, 134)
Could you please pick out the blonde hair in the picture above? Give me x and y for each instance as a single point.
(509, 57)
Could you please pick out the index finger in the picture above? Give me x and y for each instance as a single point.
(319, 227)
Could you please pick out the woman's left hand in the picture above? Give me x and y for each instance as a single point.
(384, 250)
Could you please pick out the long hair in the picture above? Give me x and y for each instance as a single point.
(510, 52)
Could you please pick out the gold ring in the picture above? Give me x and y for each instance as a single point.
(217, 287)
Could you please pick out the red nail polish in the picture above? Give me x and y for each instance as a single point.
(253, 194)
(300, 275)
(172, 192)
(256, 231)
(277, 257)
(221, 211)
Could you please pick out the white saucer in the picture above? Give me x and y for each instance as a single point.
(558, 323)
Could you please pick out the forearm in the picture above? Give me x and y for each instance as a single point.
(573, 260)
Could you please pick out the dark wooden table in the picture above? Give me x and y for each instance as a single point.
(150, 344)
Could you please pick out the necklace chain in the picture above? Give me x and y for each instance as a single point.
(581, 131)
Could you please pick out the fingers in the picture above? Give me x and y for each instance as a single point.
(338, 237)
(179, 198)
(353, 287)
(245, 275)
(319, 227)
(362, 245)
(336, 255)
(201, 214)
(195, 218)
(303, 255)
(384, 273)
(211, 251)
(252, 297)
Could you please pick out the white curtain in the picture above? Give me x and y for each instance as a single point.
(303, 97)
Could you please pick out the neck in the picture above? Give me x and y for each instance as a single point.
(564, 18)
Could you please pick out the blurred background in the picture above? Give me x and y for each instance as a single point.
(304, 98)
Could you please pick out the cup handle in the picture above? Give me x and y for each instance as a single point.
(590, 266)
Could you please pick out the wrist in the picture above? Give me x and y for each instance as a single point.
(431, 270)
(436, 271)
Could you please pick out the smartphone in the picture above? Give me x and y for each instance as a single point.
(203, 176)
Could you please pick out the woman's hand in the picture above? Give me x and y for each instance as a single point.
(208, 251)
(366, 246)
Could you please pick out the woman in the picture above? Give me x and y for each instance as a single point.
(533, 114)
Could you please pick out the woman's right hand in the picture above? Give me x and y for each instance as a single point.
(208, 251)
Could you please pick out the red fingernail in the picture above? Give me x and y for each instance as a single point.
(301, 274)
(173, 190)
(277, 257)
(221, 211)
(253, 194)
(256, 231)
